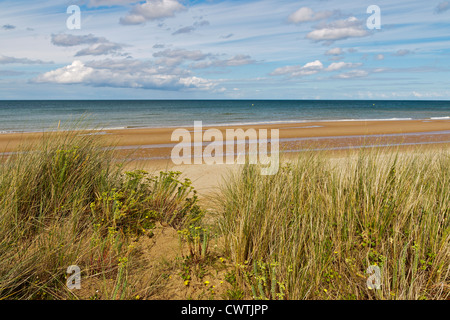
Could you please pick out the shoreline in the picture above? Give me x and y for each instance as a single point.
(329, 132)
(228, 125)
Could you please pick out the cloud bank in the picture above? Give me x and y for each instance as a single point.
(124, 74)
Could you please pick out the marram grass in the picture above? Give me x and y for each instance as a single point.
(312, 230)
(67, 202)
(309, 232)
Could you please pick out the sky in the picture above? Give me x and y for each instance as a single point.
(258, 49)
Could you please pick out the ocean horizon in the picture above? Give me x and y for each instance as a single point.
(47, 115)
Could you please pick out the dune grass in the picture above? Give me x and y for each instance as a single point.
(309, 232)
(312, 230)
(67, 202)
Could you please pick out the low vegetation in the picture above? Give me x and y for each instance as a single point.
(313, 230)
(68, 203)
(309, 232)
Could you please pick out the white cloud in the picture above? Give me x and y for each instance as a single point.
(335, 66)
(429, 94)
(338, 30)
(379, 57)
(152, 10)
(98, 45)
(77, 72)
(189, 29)
(99, 49)
(306, 14)
(194, 55)
(297, 71)
(378, 70)
(173, 57)
(196, 82)
(313, 68)
(237, 60)
(70, 40)
(10, 60)
(402, 52)
(334, 52)
(125, 74)
(313, 65)
(353, 74)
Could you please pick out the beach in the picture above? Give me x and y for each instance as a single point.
(307, 131)
(150, 148)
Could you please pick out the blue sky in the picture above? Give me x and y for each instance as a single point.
(175, 49)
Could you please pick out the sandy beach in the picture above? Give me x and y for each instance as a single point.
(153, 136)
(151, 147)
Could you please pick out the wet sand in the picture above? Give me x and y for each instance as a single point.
(150, 148)
(150, 136)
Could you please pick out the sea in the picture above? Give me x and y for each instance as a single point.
(49, 115)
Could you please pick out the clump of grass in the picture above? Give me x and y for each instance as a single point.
(324, 221)
(67, 202)
(139, 199)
